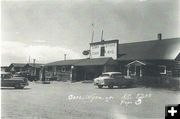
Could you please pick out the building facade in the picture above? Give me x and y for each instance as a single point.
(156, 61)
(4, 69)
(28, 70)
(60, 70)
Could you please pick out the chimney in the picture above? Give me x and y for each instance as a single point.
(64, 56)
(159, 36)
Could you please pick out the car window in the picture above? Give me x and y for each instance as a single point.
(104, 75)
(6, 76)
(117, 75)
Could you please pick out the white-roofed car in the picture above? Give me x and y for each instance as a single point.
(111, 79)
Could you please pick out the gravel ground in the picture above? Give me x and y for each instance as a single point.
(65, 100)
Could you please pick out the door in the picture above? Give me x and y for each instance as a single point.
(138, 68)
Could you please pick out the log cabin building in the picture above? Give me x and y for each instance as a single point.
(33, 70)
(101, 59)
(4, 69)
(79, 69)
(154, 61)
(16, 67)
(88, 69)
(29, 70)
(60, 70)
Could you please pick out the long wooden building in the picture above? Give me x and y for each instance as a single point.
(156, 61)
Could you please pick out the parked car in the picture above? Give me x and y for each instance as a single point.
(7, 80)
(111, 79)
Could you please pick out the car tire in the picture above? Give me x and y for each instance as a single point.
(21, 87)
(18, 86)
(110, 86)
(100, 86)
(119, 86)
(129, 86)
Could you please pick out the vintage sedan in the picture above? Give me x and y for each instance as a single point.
(7, 80)
(111, 79)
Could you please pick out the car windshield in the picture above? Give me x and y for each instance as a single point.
(104, 75)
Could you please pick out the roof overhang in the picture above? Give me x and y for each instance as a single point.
(136, 62)
(96, 62)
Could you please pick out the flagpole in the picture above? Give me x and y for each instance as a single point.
(92, 39)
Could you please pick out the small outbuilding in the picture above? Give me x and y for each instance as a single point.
(60, 70)
(16, 67)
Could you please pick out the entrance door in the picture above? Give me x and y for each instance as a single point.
(138, 71)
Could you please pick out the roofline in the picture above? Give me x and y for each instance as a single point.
(57, 65)
(4, 66)
(102, 42)
(150, 40)
(177, 57)
(108, 59)
(145, 59)
(78, 60)
(35, 64)
(135, 61)
(22, 64)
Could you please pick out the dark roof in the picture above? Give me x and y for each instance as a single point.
(107, 41)
(4, 66)
(17, 64)
(178, 57)
(95, 62)
(165, 49)
(64, 62)
(37, 65)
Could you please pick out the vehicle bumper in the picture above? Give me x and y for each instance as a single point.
(24, 84)
(97, 83)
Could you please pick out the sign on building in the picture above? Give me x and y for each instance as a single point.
(104, 49)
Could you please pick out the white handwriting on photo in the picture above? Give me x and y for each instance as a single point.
(125, 99)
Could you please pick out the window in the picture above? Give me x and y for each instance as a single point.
(117, 75)
(104, 75)
(132, 70)
(6, 76)
(50, 68)
(63, 69)
(162, 69)
(102, 51)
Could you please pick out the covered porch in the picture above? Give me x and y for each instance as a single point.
(135, 68)
(92, 68)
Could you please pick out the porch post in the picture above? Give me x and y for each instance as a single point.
(55, 71)
(72, 74)
(127, 70)
(43, 73)
(140, 71)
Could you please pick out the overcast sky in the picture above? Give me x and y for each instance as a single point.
(46, 30)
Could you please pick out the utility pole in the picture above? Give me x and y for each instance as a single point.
(102, 36)
(29, 59)
(34, 69)
(92, 33)
(92, 39)
(64, 56)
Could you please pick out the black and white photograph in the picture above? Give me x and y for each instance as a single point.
(90, 59)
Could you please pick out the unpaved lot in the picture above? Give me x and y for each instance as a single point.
(65, 100)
